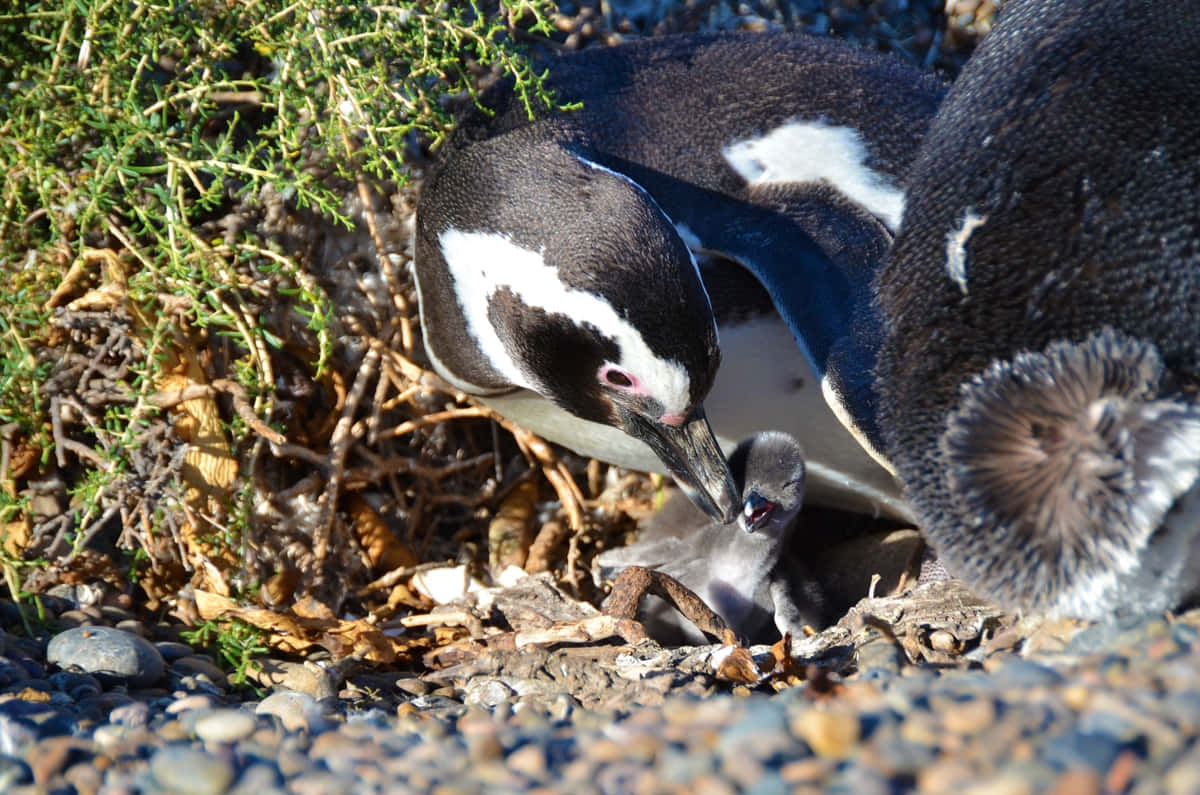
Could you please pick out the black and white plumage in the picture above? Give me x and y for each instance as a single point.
(555, 258)
(1039, 380)
(730, 566)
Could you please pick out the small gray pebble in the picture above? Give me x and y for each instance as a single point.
(319, 783)
(20, 648)
(172, 651)
(1022, 674)
(189, 771)
(108, 653)
(132, 625)
(77, 618)
(13, 772)
(195, 665)
(190, 702)
(413, 686)
(225, 726)
(258, 779)
(11, 672)
(76, 685)
(134, 714)
(15, 735)
(486, 692)
(114, 615)
(32, 668)
(1079, 749)
(296, 711)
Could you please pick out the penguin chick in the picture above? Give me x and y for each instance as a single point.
(732, 566)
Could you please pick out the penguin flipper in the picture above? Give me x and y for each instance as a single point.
(816, 253)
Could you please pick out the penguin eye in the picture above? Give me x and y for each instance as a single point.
(618, 378)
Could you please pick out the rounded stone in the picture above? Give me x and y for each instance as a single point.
(134, 714)
(296, 711)
(13, 772)
(225, 726)
(173, 650)
(190, 772)
(829, 734)
(109, 654)
(195, 665)
(970, 717)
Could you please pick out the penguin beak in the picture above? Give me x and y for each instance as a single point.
(756, 512)
(691, 454)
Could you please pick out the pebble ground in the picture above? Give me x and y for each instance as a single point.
(1116, 712)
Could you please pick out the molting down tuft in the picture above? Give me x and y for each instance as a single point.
(1070, 460)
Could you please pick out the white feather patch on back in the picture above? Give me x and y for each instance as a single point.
(483, 263)
(814, 151)
(956, 247)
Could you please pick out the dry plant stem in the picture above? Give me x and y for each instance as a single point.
(632, 585)
(394, 576)
(77, 271)
(404, 312)
(85, 537)
(364, 196)
(56, 431)
(403, 316)
(433, 419)
(555, 470)
(378, 467)
(339, 448)
(64, 444)
(534, 448)
(241, 404)
(541, 551)
(376, 419)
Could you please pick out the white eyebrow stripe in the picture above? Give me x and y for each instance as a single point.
(483, 263)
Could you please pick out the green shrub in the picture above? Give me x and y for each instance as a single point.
(129, 129)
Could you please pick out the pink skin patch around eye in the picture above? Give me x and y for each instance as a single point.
(622, 380)
(616, 378)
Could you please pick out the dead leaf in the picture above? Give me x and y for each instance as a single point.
(737, 666)
(316, 627)
(510, 530)
(383, 549)
(549, 540)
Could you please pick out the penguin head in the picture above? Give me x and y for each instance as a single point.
(770, 468)
(571, 282)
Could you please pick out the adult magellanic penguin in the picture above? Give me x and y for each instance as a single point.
(555, 258)
(1039, 379)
